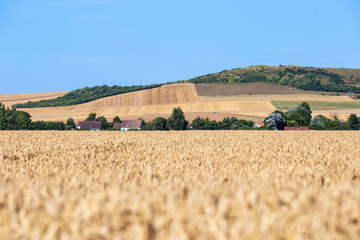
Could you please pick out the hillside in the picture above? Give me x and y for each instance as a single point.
(84, 95)
(10, 99)
(152, 103)
(303, 78)
(170, 94)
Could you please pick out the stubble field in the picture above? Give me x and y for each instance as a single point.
(180, 185)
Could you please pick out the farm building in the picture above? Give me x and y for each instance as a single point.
(257, 125)
(125, 125)
(89, 125)
(296, 129)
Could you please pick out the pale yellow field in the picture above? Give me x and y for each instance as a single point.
(10, 99)
(180, 185)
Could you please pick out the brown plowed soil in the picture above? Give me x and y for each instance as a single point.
(250, 89)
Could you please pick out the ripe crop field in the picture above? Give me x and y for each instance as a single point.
(180, 185)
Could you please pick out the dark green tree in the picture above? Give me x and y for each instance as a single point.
(306, 105)
(91, 117)
(70, 124)
(22, 120)
(337, 125)
(159, 123)
(104, 122)
(353, 122)
(177, 120)
(298, 116)
(3, 122)
(38, 125)
(54, 126)
(116, 119)
(198, 124)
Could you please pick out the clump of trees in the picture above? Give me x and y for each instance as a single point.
(300, 116)
(12, 119)
(176, 121)
(276, 120)
(226, 124)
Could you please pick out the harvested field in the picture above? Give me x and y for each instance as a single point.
(149, 103)
(10, 99)
(180, 185)
(168, 94)
(79, 112)
(254, 88)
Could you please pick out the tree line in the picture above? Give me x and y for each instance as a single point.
(12, 119)
(299, 116)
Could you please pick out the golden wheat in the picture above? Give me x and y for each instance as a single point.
(180, 185)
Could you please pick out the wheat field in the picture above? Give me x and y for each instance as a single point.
(180, 185)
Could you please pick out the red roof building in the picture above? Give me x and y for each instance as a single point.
(89, 125)
(125, 125)
(257, 125)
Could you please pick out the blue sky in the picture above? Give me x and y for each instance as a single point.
(57, 45)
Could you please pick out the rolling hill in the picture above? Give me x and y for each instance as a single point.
(207, 98)
(10, 99)
(151, 103)
(294, 77)
(305, 78)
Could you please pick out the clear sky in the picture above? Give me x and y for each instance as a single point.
(56, 45)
